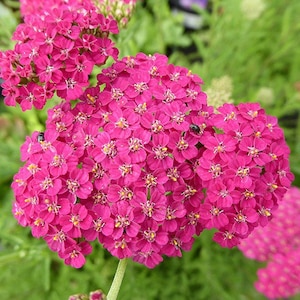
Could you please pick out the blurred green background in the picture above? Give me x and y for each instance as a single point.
(244, 51)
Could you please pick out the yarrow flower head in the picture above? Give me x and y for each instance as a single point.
(56, 50)
(278, 243)
(138, 165)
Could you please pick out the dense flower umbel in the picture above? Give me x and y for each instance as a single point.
(56, 51)
(138, 165)
(279, 244)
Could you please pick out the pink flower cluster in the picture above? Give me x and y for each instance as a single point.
(95, 295)
(56, 51)
(34, 7)
(279, 244)
(142, 164)
(119, 10)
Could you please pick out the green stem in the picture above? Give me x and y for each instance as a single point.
(116, 284)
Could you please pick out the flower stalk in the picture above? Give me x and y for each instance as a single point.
(117, 281)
